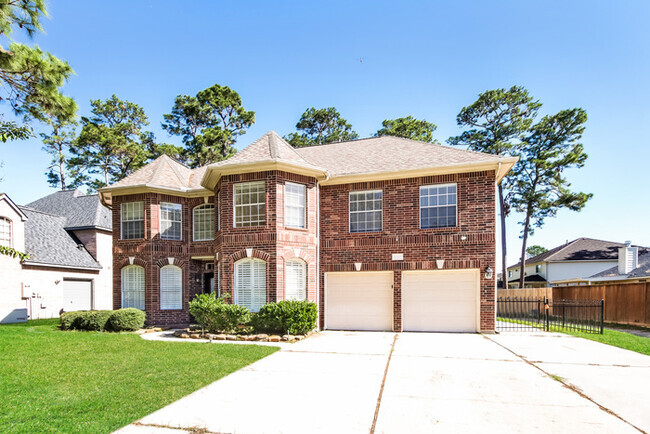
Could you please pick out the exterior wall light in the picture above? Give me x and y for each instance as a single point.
(488, 272)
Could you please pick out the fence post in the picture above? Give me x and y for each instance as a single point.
(602, 316)
(563, 314)
(546, 309)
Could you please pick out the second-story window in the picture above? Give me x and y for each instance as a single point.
(438, 206)
(295, 196)
(366, 211)
(132, 220)
(204, 222)
(170, 221)
(5, 232)
(538, 268)
(249, 204)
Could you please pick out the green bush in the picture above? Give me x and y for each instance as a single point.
(215, 315)
(94, 320)
(129, 319)
(71, 320)
(289, 316)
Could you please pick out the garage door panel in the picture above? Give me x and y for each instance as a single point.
(359, 301)
(440, 301)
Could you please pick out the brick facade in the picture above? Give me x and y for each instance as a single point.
(470, 245)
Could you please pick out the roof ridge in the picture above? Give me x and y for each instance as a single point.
(41, 212)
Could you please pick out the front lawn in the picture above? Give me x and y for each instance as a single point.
(56, 381)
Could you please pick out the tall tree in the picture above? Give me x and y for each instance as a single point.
(57, 143)
(111, 144)
(208, 124)
(538, 186)
(409, 128)
(497, 121)
(318, 126)
(535, 250)
(30, 78)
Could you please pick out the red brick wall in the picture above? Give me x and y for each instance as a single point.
(88, 238)
(469, 245)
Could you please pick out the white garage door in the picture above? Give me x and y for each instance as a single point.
(359, 301)
(77, 295)
(440, 301)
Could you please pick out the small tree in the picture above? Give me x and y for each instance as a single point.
(538, 186)
(535, 250)
(409, 128)
(57, 143)
(498, 120)
(208, 124)
(318, 126)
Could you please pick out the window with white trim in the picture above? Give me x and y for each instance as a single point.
(366, 211)
(250, 283)
(132, 220)
(5, 232)
(133, 287)
(171, 287)
(249, 204)
(438, 206)
(538, 268)
(171, 224)
(295, 205)
(203, 222)
(296, 279)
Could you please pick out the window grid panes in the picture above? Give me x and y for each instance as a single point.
(132, 220)
(296, 280)
(170, 221)
(204, 222)
(250, 283)
(295, 196)
(438, 206)
(366, 211)
(250, 204)
(5, 232)
(171, 287)
(133, 287)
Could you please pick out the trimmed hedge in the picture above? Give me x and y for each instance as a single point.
(287, 317)
(103, 320)
(215, 315)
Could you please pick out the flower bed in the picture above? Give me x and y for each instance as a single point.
(190, 333)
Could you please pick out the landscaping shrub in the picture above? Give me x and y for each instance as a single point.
(71, 320)
(129, 319)
(94, 320)
(215, 315)
(288, 316)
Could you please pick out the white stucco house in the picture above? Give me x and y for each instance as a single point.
(574, 260)
(68, 237)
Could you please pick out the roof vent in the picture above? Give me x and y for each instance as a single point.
(80, 246)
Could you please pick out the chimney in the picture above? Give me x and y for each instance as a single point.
(628, 258)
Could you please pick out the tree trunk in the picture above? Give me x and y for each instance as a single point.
(504, 266)
(61, 170)
(522, 273)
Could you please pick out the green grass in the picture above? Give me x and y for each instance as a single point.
(56, 381)
(615, 338)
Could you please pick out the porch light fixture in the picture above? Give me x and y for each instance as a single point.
(488, 272)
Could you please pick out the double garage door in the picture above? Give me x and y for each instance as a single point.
(441, 300)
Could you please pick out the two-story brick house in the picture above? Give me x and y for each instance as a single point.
(382, 233)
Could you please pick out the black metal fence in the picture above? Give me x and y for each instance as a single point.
(535, 314)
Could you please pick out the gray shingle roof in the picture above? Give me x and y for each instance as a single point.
(79, 210)
(643, 270)
(47, 242)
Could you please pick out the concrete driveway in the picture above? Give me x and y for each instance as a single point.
(340, 382)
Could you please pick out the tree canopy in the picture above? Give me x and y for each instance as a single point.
(57, 143)
(318, 126)
(409, 128)
(535, 250)
(208, 124)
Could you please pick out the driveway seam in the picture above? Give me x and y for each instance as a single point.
(383, 383)
(567, 385)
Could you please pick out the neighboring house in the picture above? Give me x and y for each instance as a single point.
(68, 238)
(382, 233)
(577, 259)
(631, 267)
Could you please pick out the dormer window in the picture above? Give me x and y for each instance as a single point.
(249, 204)
(5, 232)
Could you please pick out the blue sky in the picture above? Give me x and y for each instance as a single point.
(374, 60)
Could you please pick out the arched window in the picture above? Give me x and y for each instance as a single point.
(133, 287)
(250, 283)
(171, 287)
(204, 222)
(5, 232)
(295, 272)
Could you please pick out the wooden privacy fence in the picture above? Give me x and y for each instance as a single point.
(625, 303)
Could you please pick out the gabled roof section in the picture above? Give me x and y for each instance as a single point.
(270, 152)
(389, 157)
(581, 249)
(48, 243)
(80, 210)
(6, 198)
(164, 174)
